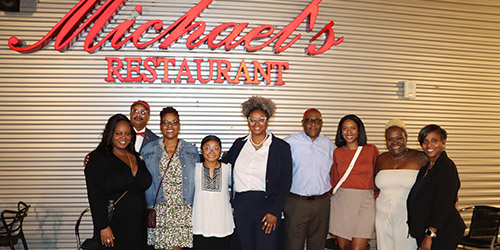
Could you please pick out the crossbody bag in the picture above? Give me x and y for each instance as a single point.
(151, 212)
(349, 169)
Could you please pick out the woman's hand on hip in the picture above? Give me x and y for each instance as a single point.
(269, 221)
(107, 237)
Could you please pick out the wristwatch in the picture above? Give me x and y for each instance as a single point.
(430, 233)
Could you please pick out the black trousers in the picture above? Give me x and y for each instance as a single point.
(248, 214)
(444, 241)
(211, 243)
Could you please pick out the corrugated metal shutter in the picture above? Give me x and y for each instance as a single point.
(53, 106)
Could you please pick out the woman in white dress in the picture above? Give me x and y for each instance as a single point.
(212, 218)
(396, 171)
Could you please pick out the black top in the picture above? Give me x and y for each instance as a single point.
(431, 201)
(107, 177)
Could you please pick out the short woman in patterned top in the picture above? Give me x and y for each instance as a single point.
(173, 203)
(212, 217)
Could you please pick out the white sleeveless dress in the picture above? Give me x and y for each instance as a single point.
(391, 214)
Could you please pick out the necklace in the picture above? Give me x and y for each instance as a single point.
(129, 161)
(258, 146)
(128, 157)
(401, 156)
(428, 168)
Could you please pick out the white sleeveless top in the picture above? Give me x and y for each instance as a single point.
(395, 184)
(212, 214)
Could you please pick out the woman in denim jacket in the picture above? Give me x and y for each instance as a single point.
(174, 160)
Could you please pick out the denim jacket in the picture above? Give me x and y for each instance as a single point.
(188, 156)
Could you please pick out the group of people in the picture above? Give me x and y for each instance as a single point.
(205, 201)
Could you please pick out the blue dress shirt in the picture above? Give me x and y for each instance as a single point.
(312, 161)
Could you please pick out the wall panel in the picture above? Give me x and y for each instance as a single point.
(54, 105)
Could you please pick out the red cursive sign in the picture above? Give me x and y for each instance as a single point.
(77, 21)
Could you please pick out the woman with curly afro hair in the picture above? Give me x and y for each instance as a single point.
(262, 177)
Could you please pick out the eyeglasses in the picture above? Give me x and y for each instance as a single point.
(137, 111)
(173, 122)
(207, 148)
(257, 119)
(310, 121)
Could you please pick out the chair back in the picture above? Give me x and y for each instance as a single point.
(88, 244)
(484, 224)
(77, 227)
(12, 224)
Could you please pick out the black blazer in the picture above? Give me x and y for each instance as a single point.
(149, 136)
(278, 172)
(431, 201)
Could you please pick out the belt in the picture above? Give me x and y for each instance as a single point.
(311, 198)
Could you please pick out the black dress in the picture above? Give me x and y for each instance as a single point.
(107, 178)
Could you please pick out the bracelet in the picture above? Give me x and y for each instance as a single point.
(430, 233)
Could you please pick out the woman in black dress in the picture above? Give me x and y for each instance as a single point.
(433, 219)
(115, 169)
